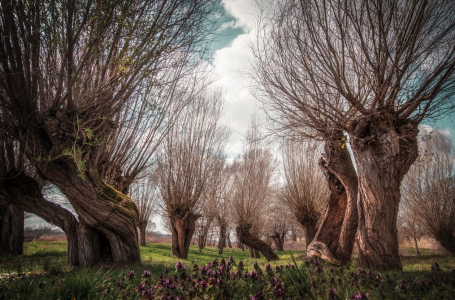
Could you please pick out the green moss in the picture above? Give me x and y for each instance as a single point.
(121, 202)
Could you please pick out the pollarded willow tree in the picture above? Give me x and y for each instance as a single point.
(251, 193)
(390, 65)
(145, 194)
(73, 74)
(291, 99)
(305, 191)
(429, 189)
(190, 155)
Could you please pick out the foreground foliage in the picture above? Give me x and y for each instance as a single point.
(41, 274)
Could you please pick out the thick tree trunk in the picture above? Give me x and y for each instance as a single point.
(256, 253)
(13, 230)
(244, 236)
(416, 246)
(182, 229)
(384, 148)
(251, 251)
(100, 207)
(278, 239)
(24, 192)
(241, 245)
(334, 240)
(222, 240)
(142, 233)
(310, 232)
(447, 240)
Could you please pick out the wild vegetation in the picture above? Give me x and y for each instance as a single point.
(113, 107)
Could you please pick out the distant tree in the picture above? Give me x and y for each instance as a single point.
(304, 192)
(189, 156)
(253, 178)
(145, 195)
(429, 189)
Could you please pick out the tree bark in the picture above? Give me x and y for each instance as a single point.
(278, 239)
(222, 240)
(256, 253)
(384, 148)
(447, 240)
(338, 228)
(416, 246)
(310, 232)
(100, 207)
(250, 250)
(142, 233)
(228, 238)
(182, 229)
(244, 236)
(24, 192)
(13, 230)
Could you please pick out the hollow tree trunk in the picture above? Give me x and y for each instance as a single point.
(384, 148)
(24, 192)
(334, 240)
(182, 229)
(244, 236)
(13, 229)
(416, 246)
(222, 240)
(103, 211)
(142, 229)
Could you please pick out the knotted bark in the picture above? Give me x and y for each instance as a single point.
(108, 218)
(384, 148)
(182, 229)
(244, 236)
(334, 240)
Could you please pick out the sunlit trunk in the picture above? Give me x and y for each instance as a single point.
(384, 148)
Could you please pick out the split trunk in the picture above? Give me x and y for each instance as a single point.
(334, 241)
(182, 229)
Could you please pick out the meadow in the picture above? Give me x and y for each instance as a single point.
(42, 274)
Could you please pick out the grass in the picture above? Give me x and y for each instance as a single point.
(44, 264)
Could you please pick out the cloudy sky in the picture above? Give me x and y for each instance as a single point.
(231, 55)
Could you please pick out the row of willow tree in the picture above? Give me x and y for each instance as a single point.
(98, 98)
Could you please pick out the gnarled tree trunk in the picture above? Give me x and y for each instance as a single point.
(251, 252)
(182, 229)
(338, 228)
(278, 239)
(244, 236)
(384, 148)
(447, 240)
(24, 192)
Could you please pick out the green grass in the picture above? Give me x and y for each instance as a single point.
(46, 262)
